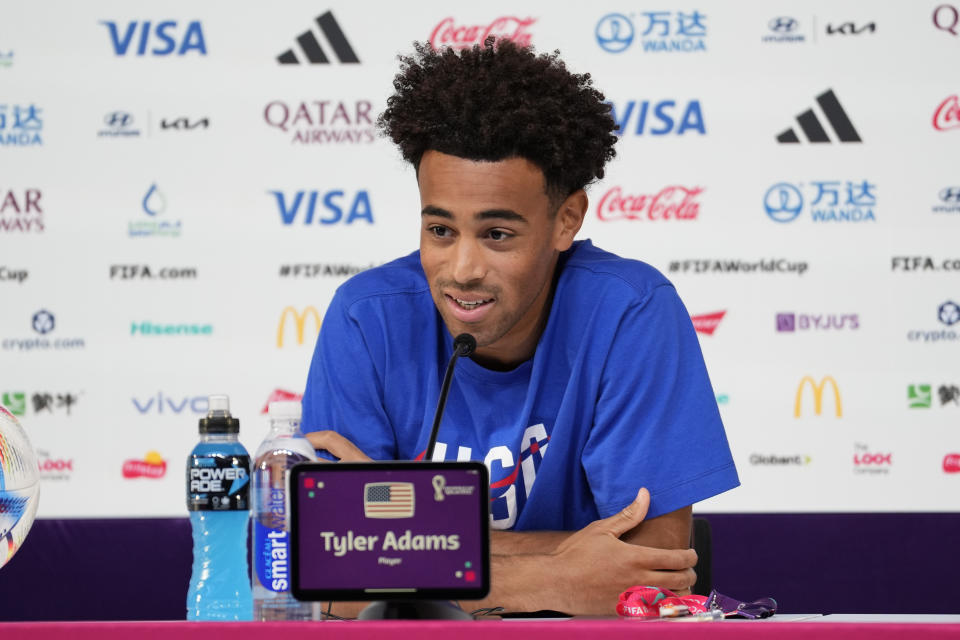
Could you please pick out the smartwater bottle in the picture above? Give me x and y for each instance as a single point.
(218, 486)
(283, 447)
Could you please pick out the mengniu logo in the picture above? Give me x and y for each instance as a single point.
(280, 395)
(323, 121)
(154, 204)
(793, 322)
(946, 17)
(664, 118)
(817, 388)
(337, 207)
(920, 396)
(311, 49)
(152, 466)
(20, 211)
(164, 403)
(866, 460)
(162, 38)
(670, 203)
(448, 33)
(300, 322)
(43, 323)
(707, 323)
(20, 125)
(40, 401)
(812, 128)
(833, 201)
(951, 463)
(656, 31)
(947, 115)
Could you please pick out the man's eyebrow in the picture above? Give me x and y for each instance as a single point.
(488, 214)
(431, 210)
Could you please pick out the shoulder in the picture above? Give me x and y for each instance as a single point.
(401, 278)
(596, 274)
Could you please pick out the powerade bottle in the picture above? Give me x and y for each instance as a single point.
(283, 447)
(218, 486)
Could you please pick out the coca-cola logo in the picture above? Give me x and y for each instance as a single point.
(151, 466)
(707, 322)
(951, 463)
(947, 115)
(448, 34)
(876, 459)
(671, 203)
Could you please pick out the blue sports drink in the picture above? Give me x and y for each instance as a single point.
(218, 486)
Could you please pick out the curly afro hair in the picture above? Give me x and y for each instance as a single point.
(498, 101)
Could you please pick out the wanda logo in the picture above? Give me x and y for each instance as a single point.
(672, 203)
(947, 115)
(448, 34)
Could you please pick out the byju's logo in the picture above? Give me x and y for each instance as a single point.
(843, 128)
(783, 29)
(21, 211)
(834, 201)
(664, 31)
(707, 323)
(664, 117)
(850, 28)
(154, 203)
(950, 197)
(448, 34)
(670, 203)
(323, 121)
(948, 313)
(817, 388)
(793, 322)
(156, 39)
(947, 115)
(119, 124)
(300, 321)
(162, 403)
(337, 207)
(310, 47)
(946, 17)
(20, 125)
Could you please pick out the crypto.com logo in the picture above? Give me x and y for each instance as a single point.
(783, 202)
(817, 396)
(300, 320)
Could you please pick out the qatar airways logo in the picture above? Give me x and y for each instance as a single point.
(947, 115)
(670, 203)
(449, 34)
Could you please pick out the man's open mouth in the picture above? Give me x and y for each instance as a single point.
(471, 304)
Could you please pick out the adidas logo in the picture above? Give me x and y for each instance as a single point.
(810, 124)
(311, 48)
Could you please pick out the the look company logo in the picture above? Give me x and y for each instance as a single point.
(53, 469)
(43, 322)
(663, 31)
(121, 124)
(774, 460)
(154, 204)
(843, 128)
(920, 396)
(817, 388)
(300, 323)
(951, 463)
(311, 49)
(793, 322)
(323, 121)
(674, 202)
(448, 34)
(707, 323)
(866, 460)
(947, 115)
(946, 17)
(337, 207)
(151, 466)
(948, 313)
(835, 201)
(950, 197)
(162, 403)
(20, 125)
(40, 402)
(163, 38)
(20, 210)
(664, 117)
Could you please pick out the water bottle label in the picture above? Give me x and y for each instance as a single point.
(271, 552)
(220, 483)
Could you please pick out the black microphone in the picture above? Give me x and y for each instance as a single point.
(463, 345)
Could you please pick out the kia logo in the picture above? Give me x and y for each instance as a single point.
(783, 25)
(783, 202)
(118, 119)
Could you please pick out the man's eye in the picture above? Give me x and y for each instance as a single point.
(497, 234)
(440, 232)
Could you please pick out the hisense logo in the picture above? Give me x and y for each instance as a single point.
(151, 329)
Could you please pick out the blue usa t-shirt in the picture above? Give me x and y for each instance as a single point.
(616, 396)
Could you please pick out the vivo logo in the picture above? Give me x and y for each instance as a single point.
(161, 404)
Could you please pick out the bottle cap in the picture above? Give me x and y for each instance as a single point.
(218, 418)
(285, 409)
(218, 403)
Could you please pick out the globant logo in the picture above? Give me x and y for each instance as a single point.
(20, 125)
(951, 463)
(150, 329)
(152, 466)
(834, 201)
(53, 469)
(948, 313)
(871, 462)
(448, 34)
(336, 207)
(773, 460)
(154, 203)
(947, 115)
(43, 322)
(784, 29)
(792, 322)
(707, 323)
(670, 203)
(664, 117)
(323, 121)
(20, 211)
(663, 32)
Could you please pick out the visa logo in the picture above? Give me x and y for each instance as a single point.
(160, 39)
(196, 404)
(660, 116)
(334, 207)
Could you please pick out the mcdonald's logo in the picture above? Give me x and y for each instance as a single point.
(818, 395)
(300, 319)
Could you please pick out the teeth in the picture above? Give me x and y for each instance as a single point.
(470, 305)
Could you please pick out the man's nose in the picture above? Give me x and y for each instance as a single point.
(468, 263)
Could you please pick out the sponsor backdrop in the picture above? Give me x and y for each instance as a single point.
(185, 185)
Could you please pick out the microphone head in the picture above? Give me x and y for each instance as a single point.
(464, 344)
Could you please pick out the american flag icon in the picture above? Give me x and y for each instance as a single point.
(388, 500)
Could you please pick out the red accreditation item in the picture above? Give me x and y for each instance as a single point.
(655, 602)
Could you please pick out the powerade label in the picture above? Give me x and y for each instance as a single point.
(218, 483)
(271, 542)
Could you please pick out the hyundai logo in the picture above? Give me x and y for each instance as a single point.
(950, 194)
(614, 32)
(783, 202)
(783, 25)
(118, 119)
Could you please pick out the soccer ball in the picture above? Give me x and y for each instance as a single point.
(19, 485)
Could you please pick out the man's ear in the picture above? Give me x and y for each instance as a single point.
(569, 219)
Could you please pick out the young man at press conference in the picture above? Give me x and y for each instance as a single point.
(587, 377)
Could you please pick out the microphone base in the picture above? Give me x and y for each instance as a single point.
(413, 610)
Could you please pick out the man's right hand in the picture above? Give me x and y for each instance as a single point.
(338, 446)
